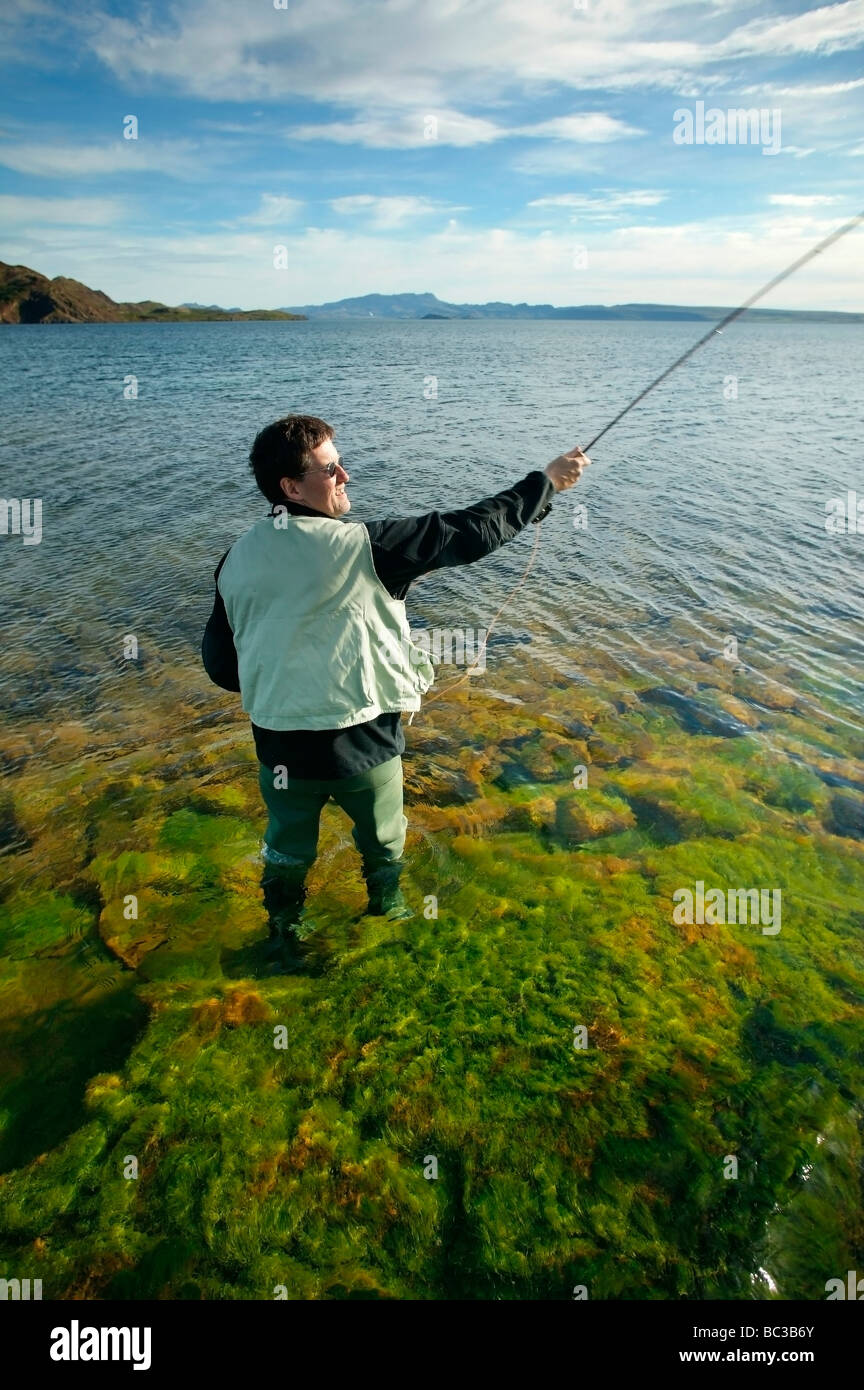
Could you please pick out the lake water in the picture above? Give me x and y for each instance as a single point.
(582, 1062)
(705, 507)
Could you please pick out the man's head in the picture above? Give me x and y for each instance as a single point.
(290, 460)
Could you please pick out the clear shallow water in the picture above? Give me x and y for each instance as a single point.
(705, 515)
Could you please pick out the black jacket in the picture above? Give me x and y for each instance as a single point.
(403, 549)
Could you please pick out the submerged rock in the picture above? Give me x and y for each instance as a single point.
(692, 716)
(846, 817)
(590, 814)
(538, 814)
(13, 836)
(836, 779)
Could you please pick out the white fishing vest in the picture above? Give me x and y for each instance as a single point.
(320, 642)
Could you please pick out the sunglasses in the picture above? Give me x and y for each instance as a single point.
(329, 469)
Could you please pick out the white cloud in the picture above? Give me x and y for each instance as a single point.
(418, 53)
(804, 89)
(48, 159)
(801, 200)
(428, 53)
(829, 29)
(21, 39)
(589, 127)
(273, 209)
(234, 127)
(406, 130)
(24, 211)
(386, 212)
(398, 129)
(606, 204)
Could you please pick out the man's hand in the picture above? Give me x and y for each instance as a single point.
(567, 469)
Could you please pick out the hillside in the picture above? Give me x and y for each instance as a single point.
(28, 297)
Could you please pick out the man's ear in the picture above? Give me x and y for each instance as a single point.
(289, 488)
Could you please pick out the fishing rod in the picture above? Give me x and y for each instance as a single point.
(691, 351)
(730, 318)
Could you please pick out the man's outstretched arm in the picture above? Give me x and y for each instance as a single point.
(405, 548)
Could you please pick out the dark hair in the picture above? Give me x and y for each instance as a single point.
(282, 450)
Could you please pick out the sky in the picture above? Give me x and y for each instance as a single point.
(546, 152)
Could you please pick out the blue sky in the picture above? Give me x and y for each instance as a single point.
(479, 149)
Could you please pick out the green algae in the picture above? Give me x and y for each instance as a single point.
(421, 1120)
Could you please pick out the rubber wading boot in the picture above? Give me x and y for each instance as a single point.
(284, 895)
(385, 895)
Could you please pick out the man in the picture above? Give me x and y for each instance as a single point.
(309, 625)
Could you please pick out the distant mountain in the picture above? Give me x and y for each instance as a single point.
(191, 304)
(28, 297)
(428, 306)
(386, 306)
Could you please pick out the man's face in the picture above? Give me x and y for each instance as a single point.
(318, 491)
